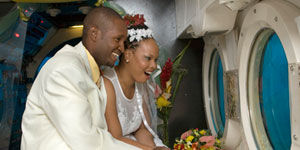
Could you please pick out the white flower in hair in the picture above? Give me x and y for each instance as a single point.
(131, 39)
(139, 38)
(131, 32)
(139, 34)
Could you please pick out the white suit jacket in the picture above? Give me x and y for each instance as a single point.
(65, 109)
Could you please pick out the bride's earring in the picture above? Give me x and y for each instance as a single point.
(127, 60)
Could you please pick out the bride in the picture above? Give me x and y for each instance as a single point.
(130, 111)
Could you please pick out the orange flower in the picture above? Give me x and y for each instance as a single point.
(195, 145)
(178, 146)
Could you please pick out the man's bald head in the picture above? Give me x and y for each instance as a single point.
(104, 34)
(100, 17)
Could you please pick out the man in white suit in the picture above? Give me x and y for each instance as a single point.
(66, 105)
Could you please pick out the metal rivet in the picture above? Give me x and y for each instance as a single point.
(292, 68)
(254, 10)
(241, 34)
(276, 19)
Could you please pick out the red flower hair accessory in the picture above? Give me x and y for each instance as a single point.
(134, 20)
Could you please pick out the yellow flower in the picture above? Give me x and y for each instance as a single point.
(196, 132)
(202, 132)
(208, 148)
(189, 138)
(174, 146)
(218, 141)
(162, 102)
(166, 95)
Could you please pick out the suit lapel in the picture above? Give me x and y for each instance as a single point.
(98, 102)
(81, 51)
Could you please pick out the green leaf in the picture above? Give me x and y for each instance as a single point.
(160, 114)
(178, 58)
(160, 126)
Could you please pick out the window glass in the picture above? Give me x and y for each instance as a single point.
(216, 91)
(275, 94)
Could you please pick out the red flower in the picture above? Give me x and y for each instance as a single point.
(134, 20)
(127, 22)
(166, 73)
(178, 146)
(127, 19)
(140, 20)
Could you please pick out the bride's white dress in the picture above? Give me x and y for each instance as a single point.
(130, 111)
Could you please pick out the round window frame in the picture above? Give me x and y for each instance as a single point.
(280, 17)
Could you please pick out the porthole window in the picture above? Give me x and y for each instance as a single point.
(216, 92)
(268, 92)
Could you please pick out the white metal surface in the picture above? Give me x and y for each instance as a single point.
(235, 5)
(226, 48)
(196, 18)
(283, 16)
(280, 16)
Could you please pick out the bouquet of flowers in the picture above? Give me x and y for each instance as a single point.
(197, 140)
(171, 72)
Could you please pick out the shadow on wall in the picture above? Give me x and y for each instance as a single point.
(188, 110)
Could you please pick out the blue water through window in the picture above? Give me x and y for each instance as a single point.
(221, 92)
(217, 93)
(274, 94)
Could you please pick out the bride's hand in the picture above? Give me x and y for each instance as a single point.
(161, 148)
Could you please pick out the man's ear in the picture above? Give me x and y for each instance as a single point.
(95, 33)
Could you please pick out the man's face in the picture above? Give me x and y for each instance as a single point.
(111, 43)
